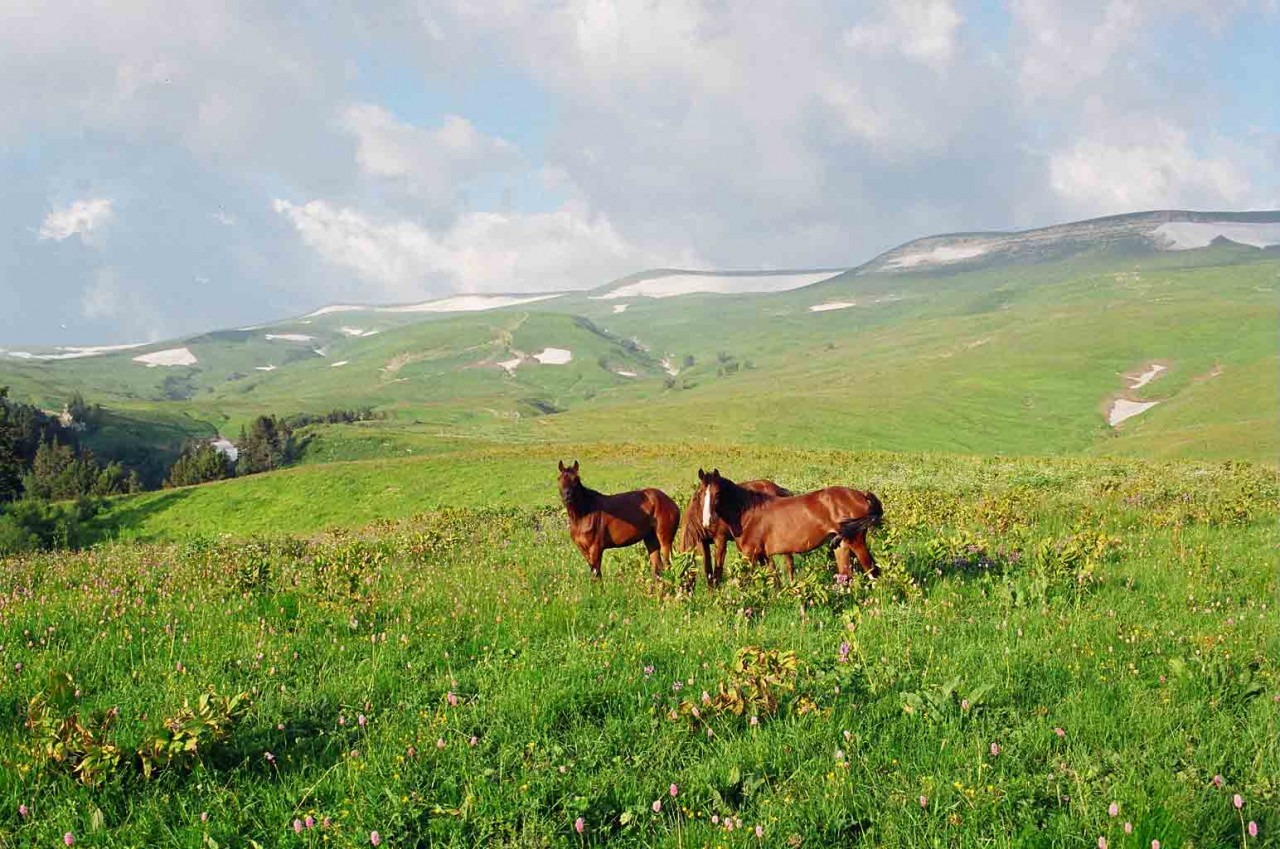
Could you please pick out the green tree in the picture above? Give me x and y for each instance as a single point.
(267, 444)
(200, 463)
(11, 464)
(59, 473)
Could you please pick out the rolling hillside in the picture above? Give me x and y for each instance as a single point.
(988, 342)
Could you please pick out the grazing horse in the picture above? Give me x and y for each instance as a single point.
(598, 522)
(701, 527)
(764, 526)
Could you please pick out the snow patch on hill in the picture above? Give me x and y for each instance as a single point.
(169, 357)
(1123, 408)
(672, 285)
(832, 305)
(554, 356)
(290, 337)
(940, 255)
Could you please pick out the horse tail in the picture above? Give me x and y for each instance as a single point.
(692, 532)
(850, 529)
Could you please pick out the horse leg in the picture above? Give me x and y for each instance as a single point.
(773, 571)
(655, 554)
(843, 559)
(722, 546)
(791, 567)
(595, 554)
(707, 568)
(868, 563)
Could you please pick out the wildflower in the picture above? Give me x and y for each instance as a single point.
(1238, 801)
(648, 670)
(995, 749)
(326, 822)
(1113, 810)
(1128, 828)
(1253, 828)
(924, 801)
(673, 791)
(451, 699)
(844, 653)
(439, 742)
(1060, 732)
(375, 838)
(579, 825)
(676, 685)
(23, 810)
(755, 720)
(715, 819)
(759, 831)
(297, 826)
(69, 839)
(271, 759)
(310, 821)
(1102, 843)
(362, 720)
(472, 742)
(706, 697)
(1155, 844)
(964, 704)
(1217, 781)
(342, 720)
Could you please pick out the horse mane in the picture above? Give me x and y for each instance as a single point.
(692, 531)
(739, 498)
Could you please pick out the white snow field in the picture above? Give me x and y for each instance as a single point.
(169, 357)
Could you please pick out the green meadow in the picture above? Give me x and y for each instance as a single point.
(1075, 641)
(420, 653)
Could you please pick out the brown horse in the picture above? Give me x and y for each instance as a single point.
(701, 527)
(764, 526)
(598, 522)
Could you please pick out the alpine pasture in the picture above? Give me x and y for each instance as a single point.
(1074, 641)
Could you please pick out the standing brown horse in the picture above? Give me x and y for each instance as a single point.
(598, 522)
(764, 526)
(701, 527)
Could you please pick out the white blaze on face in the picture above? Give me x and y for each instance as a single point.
(706, 507)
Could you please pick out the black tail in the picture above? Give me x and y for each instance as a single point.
(851, 528)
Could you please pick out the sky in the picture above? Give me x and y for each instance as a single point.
(169, 168)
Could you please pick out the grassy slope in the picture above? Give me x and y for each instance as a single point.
(565, 685)
(1011, 359)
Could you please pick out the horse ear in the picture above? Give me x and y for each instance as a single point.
(562, 465)
(575, 465)
(702, 476)
(715, 473)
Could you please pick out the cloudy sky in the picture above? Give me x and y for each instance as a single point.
(167, 168)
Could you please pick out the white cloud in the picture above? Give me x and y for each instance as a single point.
(923, 30)
(82, 218)
(111, 299)
(479, 252)
(430, 163)
(1109, 173)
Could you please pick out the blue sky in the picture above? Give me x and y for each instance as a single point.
(171, 169)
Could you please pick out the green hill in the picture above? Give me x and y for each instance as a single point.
(986, 342)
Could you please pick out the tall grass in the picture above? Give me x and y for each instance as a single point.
(1049, 639)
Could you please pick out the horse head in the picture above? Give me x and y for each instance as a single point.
(712, 488)
(569, 481)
